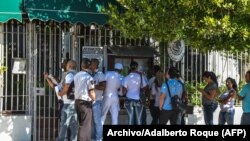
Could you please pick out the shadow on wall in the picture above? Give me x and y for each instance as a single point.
(15, 128)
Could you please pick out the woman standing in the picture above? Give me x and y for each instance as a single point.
(172, 87)
(155, 91)
(226, 101)
(209, 93)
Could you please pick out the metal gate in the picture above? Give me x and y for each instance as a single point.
(39, 44)
(43, 45)
(47, 57)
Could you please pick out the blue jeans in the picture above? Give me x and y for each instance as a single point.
(226, 117)
(208, 113)
(68, 121)
(134, 109)
(97, 122)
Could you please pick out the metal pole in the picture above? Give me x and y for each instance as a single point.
(1, 64)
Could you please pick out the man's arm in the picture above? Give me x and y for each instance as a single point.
(162, 98)
(92, 94)
(101, 85)
(46, 77)
(64, 90)
(124, 90)
(240, 97)
(242, 93)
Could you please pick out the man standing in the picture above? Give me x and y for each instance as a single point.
(132, 84)
(56, 85)
(111, 98)
(100, 84)
(245, 97)
(68, 113)
(84, 96)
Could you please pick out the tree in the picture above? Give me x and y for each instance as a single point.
(203, 24)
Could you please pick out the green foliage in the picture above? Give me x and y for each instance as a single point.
(194, 96)
(206, 25)
(240, 86)
(3, 69)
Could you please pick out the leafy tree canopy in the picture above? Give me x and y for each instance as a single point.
(203, 24)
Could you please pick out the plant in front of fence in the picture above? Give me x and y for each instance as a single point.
(2, 69)
(194, 108)
(194, 96)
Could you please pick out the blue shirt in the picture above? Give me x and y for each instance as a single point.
(175, 88)
(245, 93)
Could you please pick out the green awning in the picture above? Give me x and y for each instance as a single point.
(11, 9)
(73, 11)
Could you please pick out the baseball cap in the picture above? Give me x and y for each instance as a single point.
(118, 66)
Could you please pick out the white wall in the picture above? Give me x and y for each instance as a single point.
(223, 67)
(194, 119)
(15, 128)
(199, 119)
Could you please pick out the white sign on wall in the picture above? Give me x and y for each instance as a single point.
(176, 50)
(19, 66)
(93, 52)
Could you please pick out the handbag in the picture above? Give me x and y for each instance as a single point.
(143, 97)
(176, 102)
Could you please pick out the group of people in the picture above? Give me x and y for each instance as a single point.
(97, 93)
(211, 98)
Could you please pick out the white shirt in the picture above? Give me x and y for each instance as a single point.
(156, 91)
(230, 104)
(133, 84)
(151, 81)
(98, 77)
(113, 83)
(83, 83)
(67, 80)
(58, 88)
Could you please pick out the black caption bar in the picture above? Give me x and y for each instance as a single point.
(199, 132)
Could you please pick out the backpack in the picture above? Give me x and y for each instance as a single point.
(176, 101)
(71, 91)
(184, 96)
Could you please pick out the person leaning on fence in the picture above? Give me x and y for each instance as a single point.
(245, 97)
(172, 87)
(226, 101)
(68, 113)
(57, 85)
(209, 94)
(84, 97)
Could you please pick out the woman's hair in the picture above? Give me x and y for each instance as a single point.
(156, 68)
(210, 74)
(233, 82)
